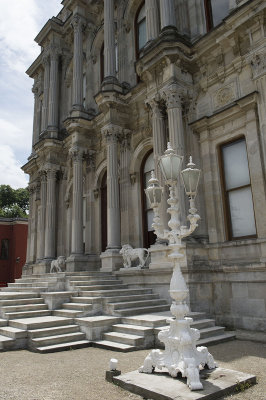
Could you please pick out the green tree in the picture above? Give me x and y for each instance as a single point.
(14, 203)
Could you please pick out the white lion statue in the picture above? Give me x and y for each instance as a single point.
(129, 254)
(58, 265)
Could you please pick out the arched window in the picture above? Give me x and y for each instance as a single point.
(216, 11)
(147, 212)
(140, 29)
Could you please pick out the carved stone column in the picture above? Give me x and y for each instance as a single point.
(53, 90)
(77, 100)
(125, 185)
(109, 40)
(152, 19)
(36, 118)
(77, 212)
(172, 97)
(167, 10)
(50, 239)
(46, 64)
(42, 211)
(113, 207)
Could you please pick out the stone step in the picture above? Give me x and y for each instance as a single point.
(13, 333)
(113, 292)
(18, 295)
(58, 339)
(147, 320)
(124, 338)
(26, 289)
(141, 310)
(138, 303)
(20, 302)
(85, 300)
(108, 345)
(114, 286)
(3, 322)
(40, 322)
(56, 330)
(6, 343)
(132, 329)
(216, 339)
(75, 279)
(77, 306)
(24, 308)
(33, 280)
(212, 331)
(29, 285)
(134, 297)
(67, 313)
(63, 346)
(203, 323)
(27, 314)
(77, 274)
(95, 282)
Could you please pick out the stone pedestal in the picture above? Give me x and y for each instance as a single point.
(111, 260)
(77, 262)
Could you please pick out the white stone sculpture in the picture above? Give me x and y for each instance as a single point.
(181, 356)
(129, 254)
(58, 265)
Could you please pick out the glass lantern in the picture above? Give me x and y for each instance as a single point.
(154, 191)
(170, 164)
(190, 177)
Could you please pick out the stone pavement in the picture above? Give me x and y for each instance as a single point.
(80, 374)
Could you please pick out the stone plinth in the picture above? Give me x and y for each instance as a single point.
(76, 262)
(94, 327)
(111, 260)
(160, 386)
(56, 299)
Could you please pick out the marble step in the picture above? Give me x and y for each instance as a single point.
(13, 333)
(108, 345)
(40, 322)
(33, 280)
(114, 292)
(153, 320)
(77, 306)
(27, 314)
(141, 310)
(6, 343)
(56, 330)
(57, 339)
(24, 308)
(63, 346)
(211, 331)
(17, 295)
(203, 323)
(132, 329)
(26, 289)
(98, 282)
(85, 300)
(138, 303)
(124, 338)
(32, 284)
(20, 302)
(114, 286)
(136, 297)
(216, 339)
(75, 279)
(3, 322)
(68, 313)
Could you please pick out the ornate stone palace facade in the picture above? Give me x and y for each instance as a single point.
(114, 82)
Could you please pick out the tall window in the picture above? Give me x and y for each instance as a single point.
(140, 23)
(4, 249)
(148, 231)
(216, 11)
(237, 190)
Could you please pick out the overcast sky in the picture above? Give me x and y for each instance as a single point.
(20, 22)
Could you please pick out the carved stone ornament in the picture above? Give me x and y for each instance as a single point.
(258, 65)
(172, 96)
(76, 153)
(129, 254)
(224, 96)
(78, 23)
(58, 265)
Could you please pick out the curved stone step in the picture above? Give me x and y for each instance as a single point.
(63, 346)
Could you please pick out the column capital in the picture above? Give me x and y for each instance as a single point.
(46, 58)
(76, 153)
(172, 96)
(78, 23)
(125, 138)
(258, 64)
(54, 51)
(156, 107)
(90, 157)
(112, 133)
(42, 175)
(51, 171)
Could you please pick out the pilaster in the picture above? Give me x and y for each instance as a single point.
(41, 219)
(125, 185)
(152, 19)
(53, 91)
(50, 238)
(45, 103)
(109, 43)
(167, 11)
(78, 24)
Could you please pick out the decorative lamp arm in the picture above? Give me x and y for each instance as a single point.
(193, 218)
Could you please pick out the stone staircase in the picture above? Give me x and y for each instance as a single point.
(140, 332)
(137, 314)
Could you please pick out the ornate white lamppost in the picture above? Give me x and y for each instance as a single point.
(181, 354)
